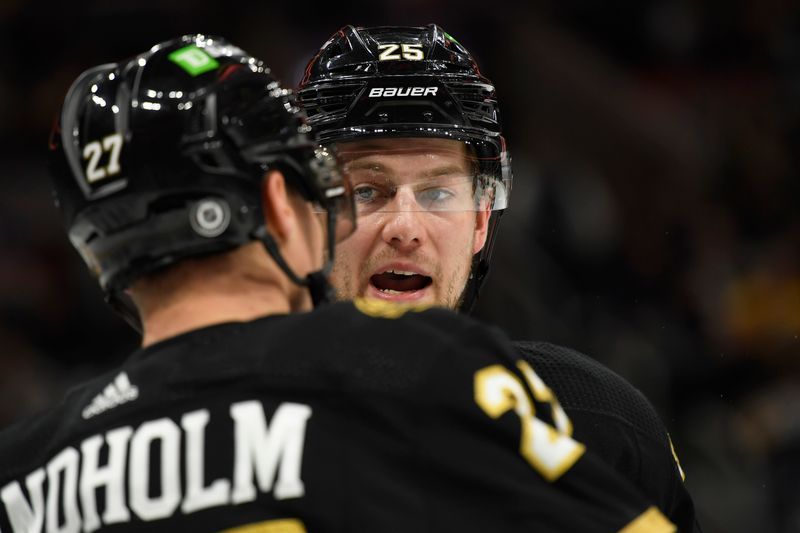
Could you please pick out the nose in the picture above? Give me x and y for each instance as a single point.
(403, 228)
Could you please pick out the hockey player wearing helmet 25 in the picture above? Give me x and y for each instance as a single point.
(409, 106)
(412, 115)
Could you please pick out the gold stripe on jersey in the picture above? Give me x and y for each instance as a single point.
(650, 521)
(284, 525)
(675, 456)
(382, 309)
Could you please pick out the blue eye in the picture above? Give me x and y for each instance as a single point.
(364, 193)
(433, 196)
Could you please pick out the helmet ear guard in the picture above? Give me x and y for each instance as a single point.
(161, 157)
(411, 82)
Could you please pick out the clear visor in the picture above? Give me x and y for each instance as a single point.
(425, 177)
(336, 192)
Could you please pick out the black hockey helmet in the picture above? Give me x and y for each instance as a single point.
(161, 157)
(411, 82)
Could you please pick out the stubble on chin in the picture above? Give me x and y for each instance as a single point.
(454, 293)
(341, 279)
(448, 292)
(349, 285)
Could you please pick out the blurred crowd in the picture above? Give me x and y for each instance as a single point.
(654, 222)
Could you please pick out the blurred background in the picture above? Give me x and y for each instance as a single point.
(654, 222)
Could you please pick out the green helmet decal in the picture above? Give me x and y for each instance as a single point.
(193, 60)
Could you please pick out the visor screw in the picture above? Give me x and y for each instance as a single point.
(383, 117)
(210, 217)
(428, 116)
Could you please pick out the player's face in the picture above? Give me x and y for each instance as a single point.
(417, 226)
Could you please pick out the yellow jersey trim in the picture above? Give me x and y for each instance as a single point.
(650, 521)
(283, 525)
(382, 309)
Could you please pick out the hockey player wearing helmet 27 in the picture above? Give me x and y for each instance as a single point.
(414, 120)
(153, 168)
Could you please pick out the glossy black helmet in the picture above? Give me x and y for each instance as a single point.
(411, 82)
(161, 157)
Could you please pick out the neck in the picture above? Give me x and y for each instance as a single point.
(201, 293)
(199, 311)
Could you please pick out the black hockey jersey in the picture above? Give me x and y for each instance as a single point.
(329, 421)
(618, 424)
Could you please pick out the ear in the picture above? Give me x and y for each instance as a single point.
(481, 230)
(275, 202)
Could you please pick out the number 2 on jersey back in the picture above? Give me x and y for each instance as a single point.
(550, 450)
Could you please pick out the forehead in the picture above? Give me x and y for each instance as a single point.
(441, 150)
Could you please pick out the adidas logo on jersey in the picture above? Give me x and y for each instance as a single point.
(118, 392)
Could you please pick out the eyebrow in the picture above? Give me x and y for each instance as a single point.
(443, 170)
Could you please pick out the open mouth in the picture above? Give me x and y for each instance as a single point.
(398, 281)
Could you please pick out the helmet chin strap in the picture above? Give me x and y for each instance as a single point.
(479, 270)
(472, 290)
(317, 282)
(122, 304)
